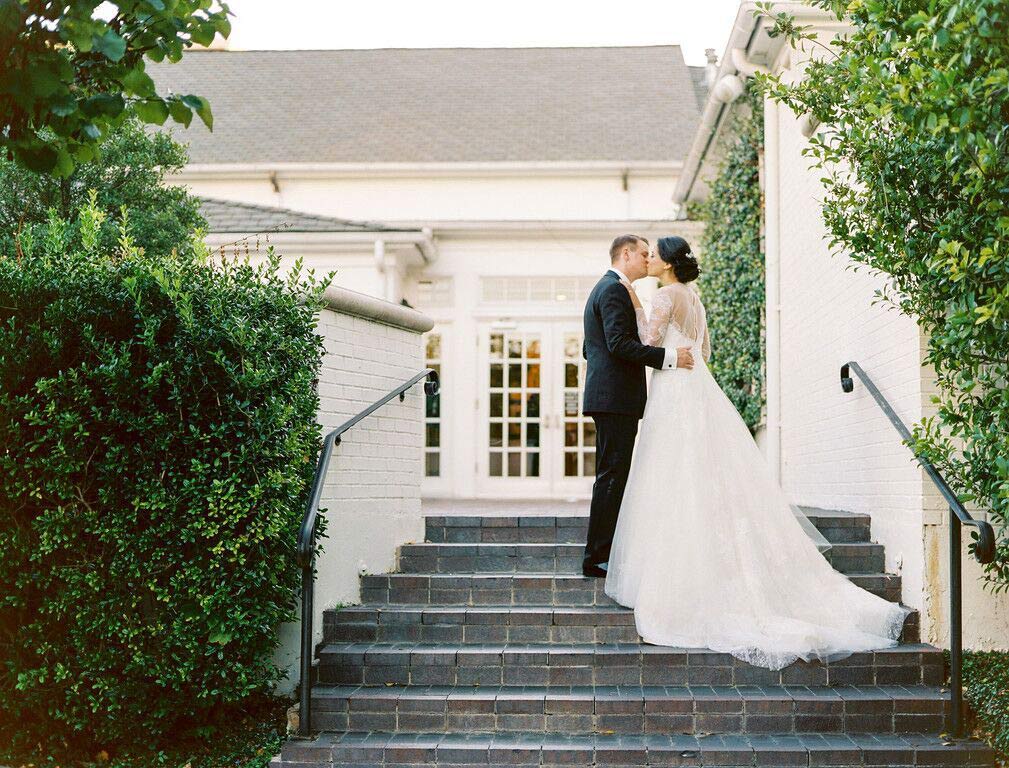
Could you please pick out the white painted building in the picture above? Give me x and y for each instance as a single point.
(830, 449)
(499, 176)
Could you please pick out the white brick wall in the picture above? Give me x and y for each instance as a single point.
(372, 490)
(838, 450)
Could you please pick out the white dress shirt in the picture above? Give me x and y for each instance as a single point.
(669, 361)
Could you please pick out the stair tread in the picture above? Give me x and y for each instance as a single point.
(571, 648)
(506, 747)
(637, 693)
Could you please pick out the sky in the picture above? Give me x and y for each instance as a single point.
(695, 25)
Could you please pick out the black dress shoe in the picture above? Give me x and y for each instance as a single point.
(593, 571)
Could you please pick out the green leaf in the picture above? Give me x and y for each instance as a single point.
(64, 106)
(151, 111)
(40, 158)
(92, 131)
(138, 82)
(203, 34)
(110, 44)
(180, 112)
(202, 107)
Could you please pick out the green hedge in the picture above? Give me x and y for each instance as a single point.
(986, 688)
(733, 262)
(158, 424)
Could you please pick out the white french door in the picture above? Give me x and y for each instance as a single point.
(531, 440)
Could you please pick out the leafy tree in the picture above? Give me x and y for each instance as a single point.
(127, 174)
(69, 74)
(915, 159)
(734, 263)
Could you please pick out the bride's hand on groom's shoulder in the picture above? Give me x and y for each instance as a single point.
(633, 294)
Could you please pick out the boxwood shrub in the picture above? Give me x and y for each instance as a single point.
(986, 689)
(157, 438)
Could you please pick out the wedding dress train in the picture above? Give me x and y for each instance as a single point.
(707, 550)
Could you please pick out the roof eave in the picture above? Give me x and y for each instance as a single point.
(747, 30)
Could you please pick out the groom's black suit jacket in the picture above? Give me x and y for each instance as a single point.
(615, 379)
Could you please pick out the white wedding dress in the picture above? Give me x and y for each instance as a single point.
(707, 550)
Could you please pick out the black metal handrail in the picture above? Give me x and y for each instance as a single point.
(306, 535)
(984, 549)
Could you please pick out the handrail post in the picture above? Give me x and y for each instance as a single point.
(307, 608)
(955, 628)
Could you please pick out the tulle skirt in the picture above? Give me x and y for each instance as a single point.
(707, 550)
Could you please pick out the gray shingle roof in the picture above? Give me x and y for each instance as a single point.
(438, 105)
(228, 216)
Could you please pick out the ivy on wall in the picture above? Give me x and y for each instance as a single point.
(733, 282)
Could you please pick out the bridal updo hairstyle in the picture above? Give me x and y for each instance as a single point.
(675, 251)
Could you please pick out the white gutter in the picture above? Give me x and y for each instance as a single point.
(281, 171)
(322, 242)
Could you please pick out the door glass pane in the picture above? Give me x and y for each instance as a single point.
(495, 464)
(533, 376)
(571, 434)
(514, 406)
(532, 465)
(570, 375)
(589, 434)
(533, 405)
(514, 434)
(496, 376)
(515, 348)
(432, 464)
(495, 435)
(514, 376)
(514, 464)
(533, 435)
(590, 465)
(570, 464)
(496, 406)
(433, 435)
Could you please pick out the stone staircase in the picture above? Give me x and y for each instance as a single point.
(489, 648)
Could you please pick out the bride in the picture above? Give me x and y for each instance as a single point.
(707, 550)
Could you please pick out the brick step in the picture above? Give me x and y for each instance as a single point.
(839, 527)
(611, 664)
(355, 749)
(567, 558)
(493, 624)
(836, 527)
(530, 588)
(481, 624)
(631, 709)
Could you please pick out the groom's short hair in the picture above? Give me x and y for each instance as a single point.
(623, 240)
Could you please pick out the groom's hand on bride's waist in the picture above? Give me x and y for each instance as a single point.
(684, 358)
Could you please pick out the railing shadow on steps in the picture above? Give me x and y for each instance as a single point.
(306, 536)
(984, 538)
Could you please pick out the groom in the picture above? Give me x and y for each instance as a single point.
(615, 388)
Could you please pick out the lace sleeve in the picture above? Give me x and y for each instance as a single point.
(642, 318)
(706, 345)
(655, 330)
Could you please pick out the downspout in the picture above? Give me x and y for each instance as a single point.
(772, 286)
